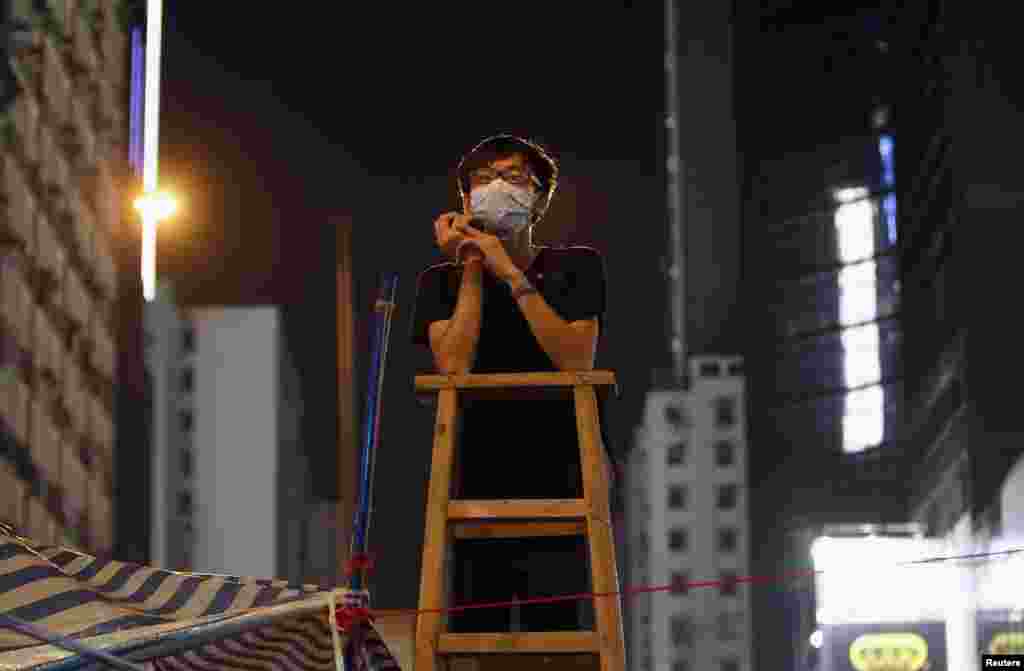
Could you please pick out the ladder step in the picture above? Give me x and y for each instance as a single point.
(519, 386)
(518, 529)
(510, 509)
(549, 642)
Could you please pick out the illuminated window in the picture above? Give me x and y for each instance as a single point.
(863, 418)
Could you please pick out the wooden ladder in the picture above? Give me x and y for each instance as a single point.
(447, 519)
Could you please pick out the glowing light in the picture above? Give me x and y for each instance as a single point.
(817, 639)
(157, 205)
(151, 127)
(851, 194)
(150, 145)
(864, 416)
(886, 149)
(897, 591)
(154, 207)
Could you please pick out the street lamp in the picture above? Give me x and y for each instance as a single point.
(154, 207)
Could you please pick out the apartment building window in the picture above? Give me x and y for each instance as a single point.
(728, 626)
(729, 665)
(677, 497)
(736, 369)
(676, 454)
(681, 629)
(727, 540)
(184, 503)
(187, 420)
(726, 499)
(724, 454)
(188, 380)
(186, 463)
(680, 583)
(725, 412)
(641, 551)
(710, 369)
(681, 665)
(678, 540)
(675, 416)
(727, 583)
(188, 340)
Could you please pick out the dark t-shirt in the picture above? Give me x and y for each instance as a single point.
(520, 442)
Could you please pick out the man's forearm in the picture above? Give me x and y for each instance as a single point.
(567, 347)
(458, 344)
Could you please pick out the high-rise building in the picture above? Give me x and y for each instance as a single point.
(687, 494)
(62, 151)
(687, 512)
(230, 479)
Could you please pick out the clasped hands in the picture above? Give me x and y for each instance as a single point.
(460, 241)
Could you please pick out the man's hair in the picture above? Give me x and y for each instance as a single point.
(494, 151)
(539, 160)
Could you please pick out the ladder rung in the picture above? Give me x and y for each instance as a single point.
(519, 385)
(550, 642)
(506, 509)
(518, 529)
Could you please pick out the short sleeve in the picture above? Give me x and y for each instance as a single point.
(585, 289)
(435, 300)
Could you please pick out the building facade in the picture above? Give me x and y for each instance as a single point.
(687, 515)
(231, 482)
(62, 158)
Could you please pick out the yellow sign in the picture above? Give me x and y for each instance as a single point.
(1007, 643)
(889, 652)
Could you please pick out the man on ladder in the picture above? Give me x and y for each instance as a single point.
(504, 304)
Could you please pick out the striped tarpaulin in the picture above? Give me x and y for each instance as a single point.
(166, 619)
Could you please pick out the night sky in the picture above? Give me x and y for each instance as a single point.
(276, 123)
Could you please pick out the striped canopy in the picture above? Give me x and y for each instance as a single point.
(163, 619)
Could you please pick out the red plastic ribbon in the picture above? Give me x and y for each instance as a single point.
(347, 617)
(357, 562)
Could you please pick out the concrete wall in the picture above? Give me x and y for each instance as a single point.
(236, 440)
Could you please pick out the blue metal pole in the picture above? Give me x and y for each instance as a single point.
(383, 309)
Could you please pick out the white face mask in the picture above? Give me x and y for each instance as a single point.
(504, 208)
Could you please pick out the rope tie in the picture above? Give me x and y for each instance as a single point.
(355, 609)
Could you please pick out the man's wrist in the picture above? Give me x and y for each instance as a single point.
(516, 279)
(521, 287)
